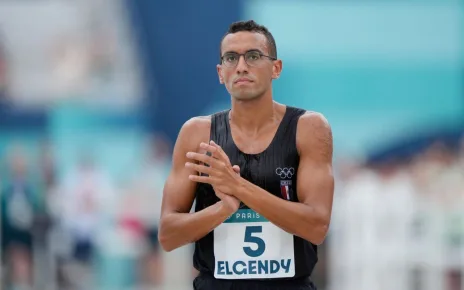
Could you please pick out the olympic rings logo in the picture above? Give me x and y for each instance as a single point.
(285, 172)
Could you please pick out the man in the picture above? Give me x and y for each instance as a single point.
(263, 189)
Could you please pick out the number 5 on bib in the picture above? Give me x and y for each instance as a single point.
(261, 246)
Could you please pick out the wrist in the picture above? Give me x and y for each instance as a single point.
(225, 210)
(238, 189)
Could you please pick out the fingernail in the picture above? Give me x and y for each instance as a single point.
(189, 154)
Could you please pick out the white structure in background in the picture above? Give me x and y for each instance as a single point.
(388, 234)
(63, 49)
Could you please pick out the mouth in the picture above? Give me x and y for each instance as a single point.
(243, 81)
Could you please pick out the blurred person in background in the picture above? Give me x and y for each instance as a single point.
(18, 211)
(44, 221)
(158, 165)
(268, 182)
(84, 200)
(145, 196)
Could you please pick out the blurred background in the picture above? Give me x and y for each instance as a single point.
(94, 92)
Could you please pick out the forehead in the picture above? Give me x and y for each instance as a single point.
(243, 41)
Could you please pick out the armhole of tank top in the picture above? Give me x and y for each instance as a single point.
(214, 121)
(211, 129)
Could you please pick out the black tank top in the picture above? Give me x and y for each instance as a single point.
(275, 170)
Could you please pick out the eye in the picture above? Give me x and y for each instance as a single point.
(230, 58)
(253, 56)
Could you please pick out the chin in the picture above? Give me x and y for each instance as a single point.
(245, 96)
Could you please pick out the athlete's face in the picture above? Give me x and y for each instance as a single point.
(250, 78)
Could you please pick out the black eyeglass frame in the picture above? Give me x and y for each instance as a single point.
(239, 55)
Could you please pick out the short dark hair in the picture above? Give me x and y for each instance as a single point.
(252, 26)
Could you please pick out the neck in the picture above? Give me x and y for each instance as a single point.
(253, 114)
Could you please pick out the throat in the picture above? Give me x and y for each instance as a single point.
(255, 115)
(255, 139)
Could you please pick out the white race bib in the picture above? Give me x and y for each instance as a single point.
(248, 246)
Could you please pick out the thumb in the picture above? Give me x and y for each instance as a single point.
(236, 169)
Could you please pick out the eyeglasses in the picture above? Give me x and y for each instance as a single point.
(252, 58)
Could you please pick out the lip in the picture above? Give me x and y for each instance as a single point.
(243, 81)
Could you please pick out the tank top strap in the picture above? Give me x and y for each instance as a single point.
(286, 135)
(219, 129)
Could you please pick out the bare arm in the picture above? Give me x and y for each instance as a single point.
(178, 227)
(309, 218)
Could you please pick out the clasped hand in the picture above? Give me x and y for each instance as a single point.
(220, 173)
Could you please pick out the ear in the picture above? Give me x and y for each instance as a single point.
(276, 69)
(219, 71)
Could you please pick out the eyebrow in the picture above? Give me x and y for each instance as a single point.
(254, 49)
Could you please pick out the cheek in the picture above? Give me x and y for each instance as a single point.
(269, 74)
(226, 78)
(229, 81)
(264, 75)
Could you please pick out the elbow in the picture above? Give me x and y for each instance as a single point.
(164, 243)
(167, 247)
(319, 234)
(164, 240)
(316, 233)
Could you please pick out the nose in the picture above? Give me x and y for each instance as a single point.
(242, 66)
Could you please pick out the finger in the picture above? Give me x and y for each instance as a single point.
(236, 169)
(200, 168)
(208, 147)
(219, 151)
(211, 147)
(201, 179)
(204, 158)
(213, 152)
(216, 151)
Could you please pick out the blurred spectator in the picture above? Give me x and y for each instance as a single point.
(86, 192)
(146, 193)
(84, 202)
(18, 209)
(44, 176)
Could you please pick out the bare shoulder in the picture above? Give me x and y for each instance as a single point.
(194, 131)
(196, 124)
(314, 135)
(313, 121)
